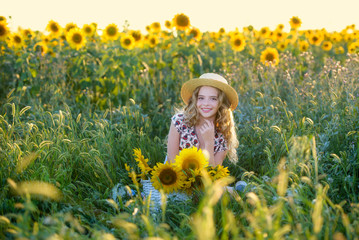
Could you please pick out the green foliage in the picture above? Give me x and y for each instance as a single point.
(74, 119)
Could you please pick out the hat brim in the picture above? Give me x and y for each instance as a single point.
(189, 86)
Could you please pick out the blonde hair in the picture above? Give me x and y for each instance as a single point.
(224, 121)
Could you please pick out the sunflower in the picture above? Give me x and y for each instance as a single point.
(212, 46)
(88, 30)
(339, 50)
(16, 41)
(137, 35)
(27, 33)
(353, 47)
(280, 27)
(41, 47)
(195, 33)
(70, 26)
(282, 46)
(327, 46)
(270, 56)
(4, 30)
(76, 38)
(181, 22)
(54, 28)
(167, 177)
(111, 32)
(278, 36)
(218, 172)
(152, 40)
(316, 38)
(155, 27)
(127, 41)
(303, 46)
(264, 32)
(2, 18)
(267, 42)
(190, 159)
(238, 42)
(142, 163)
(168, 24)
(295, 22)
(193, 181)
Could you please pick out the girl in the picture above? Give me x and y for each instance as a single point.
(207, 119)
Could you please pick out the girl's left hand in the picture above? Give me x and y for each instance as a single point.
(207, 131)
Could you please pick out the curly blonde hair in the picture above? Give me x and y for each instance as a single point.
(224, 121)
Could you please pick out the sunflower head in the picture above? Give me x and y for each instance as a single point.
(167, 177)
(152, 41)
(327, 46)
(54, 29)
(238, 42)
(128, 42)
(70, 26)
(190, 159)
(16, 41)
(76, 38)
(181, 22)
(270, 56)
(282, 46)
(303, 46)
(155, 27)
(111, 32)
(168, 24)
(295, 22)
(4, 30)
(316, 38)
(41, 47)
(195, 33)
(88, 30)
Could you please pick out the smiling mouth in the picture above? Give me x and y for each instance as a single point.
(206, 110)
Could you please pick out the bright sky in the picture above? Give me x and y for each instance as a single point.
(207, 15)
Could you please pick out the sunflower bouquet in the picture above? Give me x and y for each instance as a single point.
(184, 175)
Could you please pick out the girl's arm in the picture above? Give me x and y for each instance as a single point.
(173, 143)
(219, 158)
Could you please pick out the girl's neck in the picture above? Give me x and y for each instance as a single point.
(202, 120)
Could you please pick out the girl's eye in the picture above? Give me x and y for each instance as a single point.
(214, 99)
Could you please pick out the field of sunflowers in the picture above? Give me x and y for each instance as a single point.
(84, 109)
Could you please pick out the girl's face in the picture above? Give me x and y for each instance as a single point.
(207, 102)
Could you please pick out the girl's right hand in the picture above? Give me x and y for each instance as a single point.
(207, 131)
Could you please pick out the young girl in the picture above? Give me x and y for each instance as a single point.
(207, 119)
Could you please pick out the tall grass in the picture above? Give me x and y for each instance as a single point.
(73, 121)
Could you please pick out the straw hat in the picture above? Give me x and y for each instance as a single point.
(213, 80)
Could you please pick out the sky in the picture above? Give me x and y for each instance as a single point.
(207, 15)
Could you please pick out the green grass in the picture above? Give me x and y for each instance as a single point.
(75, 122)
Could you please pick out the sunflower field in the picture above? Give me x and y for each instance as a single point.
(80, 105)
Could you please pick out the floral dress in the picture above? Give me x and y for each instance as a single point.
(189, 138)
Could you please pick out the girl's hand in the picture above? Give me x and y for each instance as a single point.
(207, 132)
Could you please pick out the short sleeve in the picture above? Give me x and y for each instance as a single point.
(177, 121)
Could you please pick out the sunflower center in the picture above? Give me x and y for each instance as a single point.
(111, 31)
(17, 39)
(153, 41)
(77, 38)
(54, 28)
(270, 57)
(182, 21)
(295, 21)
(168, 177)
(136, 36)
(127, 42)
(88, 30)
(2, 30)
(190, 164)
(315, 39)
(238, 42)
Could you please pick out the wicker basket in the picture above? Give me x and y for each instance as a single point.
(148, 189)
(156, 201)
